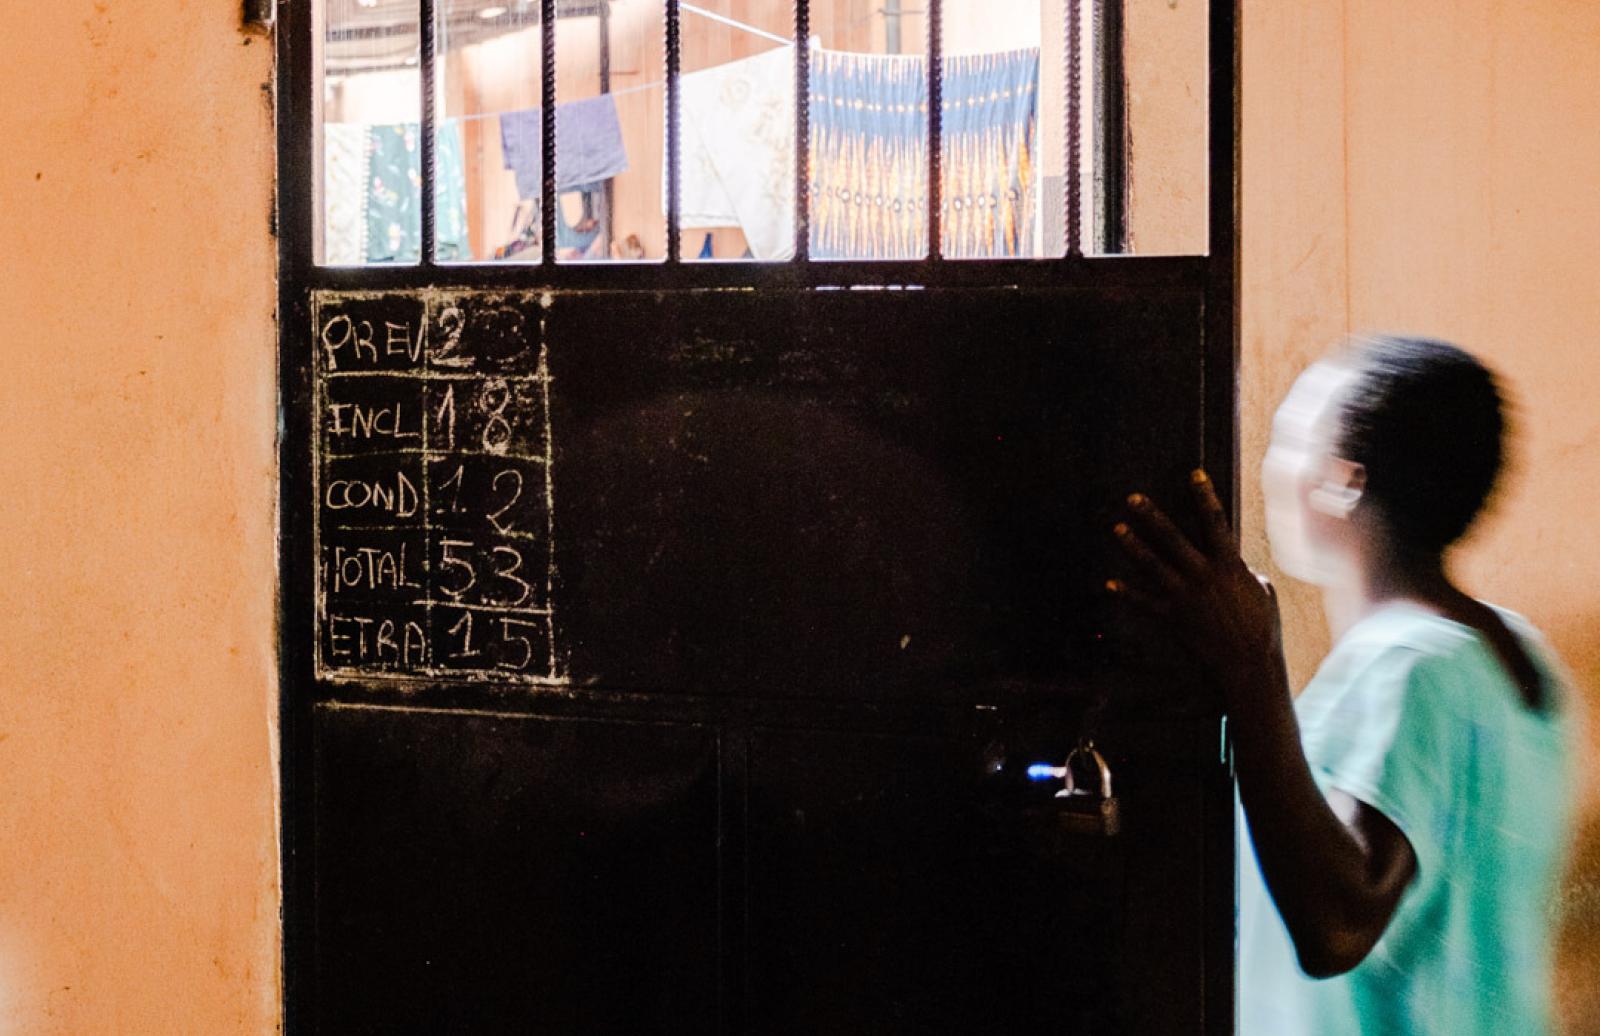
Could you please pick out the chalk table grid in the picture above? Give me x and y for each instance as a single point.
(434, 487)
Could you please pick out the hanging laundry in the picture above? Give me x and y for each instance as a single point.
(737, 170)
(869, 160)
(990, 182)
(371, 189)
(589, 146)
(393, 200)
(344, 187)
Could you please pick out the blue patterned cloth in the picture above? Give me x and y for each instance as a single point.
(869, 158)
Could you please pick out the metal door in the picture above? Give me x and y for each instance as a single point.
(664, 648)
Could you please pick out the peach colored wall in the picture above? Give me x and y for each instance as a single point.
(1165, 64)
(1426, 165)
(138, 860)
(1430, 166)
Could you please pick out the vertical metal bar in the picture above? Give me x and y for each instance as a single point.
(605, 46)
(1221, 428)
(608, 192)
(1219, 892)
(674, 159)
(935, 128)
(299, 119)
(1220, 436)
(1111, 130)
(301, 72)
(1223, 58)
(426, 130)
(547, 130)
(802, 130)
(1074, 127)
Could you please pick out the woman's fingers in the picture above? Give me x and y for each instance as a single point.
(1218, 533)
(1168, 570)
(1135, 596)
(1164, 537)
(1152, 568)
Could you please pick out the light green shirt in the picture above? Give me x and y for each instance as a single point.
(1414, 714)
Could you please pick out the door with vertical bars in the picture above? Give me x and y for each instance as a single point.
(702, 425)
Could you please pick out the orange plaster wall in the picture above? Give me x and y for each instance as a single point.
(1425, 166)
(1431, 166)
(138, 859)
(1164, 64)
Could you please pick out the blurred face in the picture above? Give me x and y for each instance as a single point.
(1308, 490)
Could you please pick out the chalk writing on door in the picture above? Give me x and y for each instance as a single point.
(435, 487)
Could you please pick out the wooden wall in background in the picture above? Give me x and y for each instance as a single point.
(503, 75)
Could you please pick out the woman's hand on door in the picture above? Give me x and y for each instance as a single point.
(1218, 608)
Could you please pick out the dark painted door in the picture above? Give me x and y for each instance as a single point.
(677, 657)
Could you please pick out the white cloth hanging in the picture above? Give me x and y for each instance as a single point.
(737, 127)
(344, 194)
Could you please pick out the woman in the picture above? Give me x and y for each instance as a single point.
(1408, 813)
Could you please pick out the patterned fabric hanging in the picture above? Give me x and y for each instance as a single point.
(372, 179)
(738, 151)
(869, 160)
(394, 216)
(344, 193)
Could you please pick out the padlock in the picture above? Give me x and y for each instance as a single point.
(1079, 810)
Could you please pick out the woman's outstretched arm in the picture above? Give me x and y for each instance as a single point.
(1335, 866)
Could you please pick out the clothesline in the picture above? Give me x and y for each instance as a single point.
(868, 147)
(654, 84)
(744, 26)
(658, 83)
(477, 116)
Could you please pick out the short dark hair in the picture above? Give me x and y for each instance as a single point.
(1427, 421)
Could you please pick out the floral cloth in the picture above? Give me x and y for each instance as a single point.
(393, 205)
(738, 150)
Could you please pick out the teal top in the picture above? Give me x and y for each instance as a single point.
(1414, 715)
